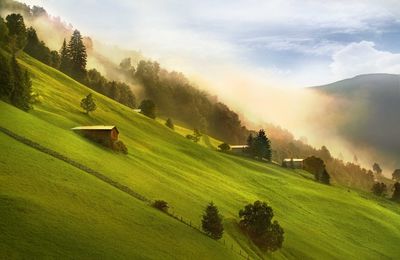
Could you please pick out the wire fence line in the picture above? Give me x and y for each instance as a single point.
(115, 184)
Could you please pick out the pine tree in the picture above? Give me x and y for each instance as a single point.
(262, 146)
(250, 145)
(6, 84)
(21, 92)
(88, 103)
(77, 51)
(212, 222)
(65, 59)
(396, 192)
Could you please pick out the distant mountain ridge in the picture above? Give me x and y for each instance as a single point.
(369, 108)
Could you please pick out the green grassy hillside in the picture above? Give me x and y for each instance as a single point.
(56, 209)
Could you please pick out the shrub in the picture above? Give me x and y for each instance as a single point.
(256, 221)
(119, 146)
(212, 222)
(169, 123)
(224, 147)
(161, 205)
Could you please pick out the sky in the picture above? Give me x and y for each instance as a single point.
(285, 43)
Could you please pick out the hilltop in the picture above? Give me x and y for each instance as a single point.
(54, 210)
(371, 102)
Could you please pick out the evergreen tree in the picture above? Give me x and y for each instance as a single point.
(212, 222)
(262, 146)
(6, 84)
(17, 31)
(169, 123)
(65, 60)
(88, 103)
(77, 52)
(22, 87)
(396, 192)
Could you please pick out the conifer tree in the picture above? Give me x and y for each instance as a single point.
(262, 146)
(77, 53)
(65, 60)
(6, 84)
(212, 222)
(21, 92)
(88, 104)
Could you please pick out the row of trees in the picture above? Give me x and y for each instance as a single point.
(15, 82)
(381, 189)
(317, 167)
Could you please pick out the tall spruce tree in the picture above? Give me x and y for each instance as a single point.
(77, 53)
(21, 92)
(262, 146)
(6, 84)
(212, 222)
(65, 59)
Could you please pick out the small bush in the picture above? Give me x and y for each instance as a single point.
(169, 123)
(119, 146)
(161, 205)
(224, 147)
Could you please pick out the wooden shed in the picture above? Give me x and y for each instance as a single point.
(293, 163)
(239, 149)
(104, 134)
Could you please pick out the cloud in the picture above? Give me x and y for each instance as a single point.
(362, 58)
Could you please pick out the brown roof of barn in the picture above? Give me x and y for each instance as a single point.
(96, 127)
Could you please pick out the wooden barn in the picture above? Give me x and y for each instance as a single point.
(104, 134)
(293, 163)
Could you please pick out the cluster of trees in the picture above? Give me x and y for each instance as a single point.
(176, 97)
(119, 91)
(15, 82)
(259, 146)
(317, 167)
(344, 173)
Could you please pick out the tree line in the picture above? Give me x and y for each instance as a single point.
(15, 82)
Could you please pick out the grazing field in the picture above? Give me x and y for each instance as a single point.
(53, 209)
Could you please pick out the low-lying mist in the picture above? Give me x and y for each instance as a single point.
(257, 95)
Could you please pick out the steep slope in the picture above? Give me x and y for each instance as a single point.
(319, 221)
(371, 120)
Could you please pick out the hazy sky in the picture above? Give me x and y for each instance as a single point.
(291, 42)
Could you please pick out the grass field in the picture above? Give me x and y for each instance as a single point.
(55, 210)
